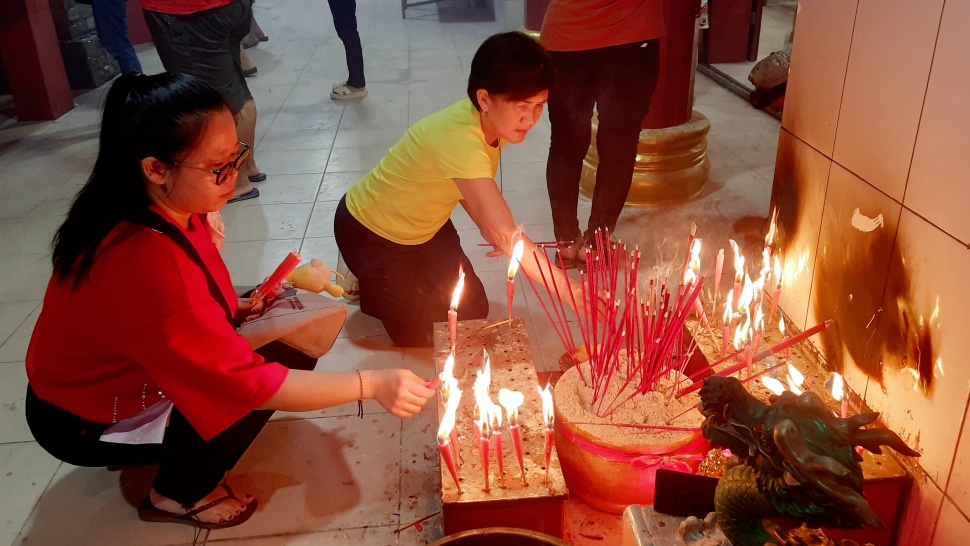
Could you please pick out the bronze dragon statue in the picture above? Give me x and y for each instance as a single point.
(798, 460)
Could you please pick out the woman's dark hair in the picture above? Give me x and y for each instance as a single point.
(161, 116)
(510, 64)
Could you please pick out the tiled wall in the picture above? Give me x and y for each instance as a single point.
(874, 197)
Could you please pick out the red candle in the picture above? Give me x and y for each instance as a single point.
(444, 446)
(718, 269)
(286, 267)
(453, 310)
(454, 441)
(516, 433)
(550, 437)
(483, 450)
(499, 453)
(513, 267)
(452, 327)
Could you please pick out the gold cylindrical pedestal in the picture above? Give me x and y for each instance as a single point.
(672, 164)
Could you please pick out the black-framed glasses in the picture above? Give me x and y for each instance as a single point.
(222, 173)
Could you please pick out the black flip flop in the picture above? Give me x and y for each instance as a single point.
(251, 194)
(148, 512)
(257, 177)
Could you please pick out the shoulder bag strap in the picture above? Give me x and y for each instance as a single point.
(156, 223)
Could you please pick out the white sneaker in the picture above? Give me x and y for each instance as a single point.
(348, 282)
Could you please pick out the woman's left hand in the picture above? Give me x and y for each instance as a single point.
(246, 310)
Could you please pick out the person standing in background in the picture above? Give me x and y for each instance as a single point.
(344, 14)
(606, 54)
(111, 22)
(203, 38)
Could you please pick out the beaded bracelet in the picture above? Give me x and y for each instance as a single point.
(360, 401)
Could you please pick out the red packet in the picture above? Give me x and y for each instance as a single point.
(286, 267)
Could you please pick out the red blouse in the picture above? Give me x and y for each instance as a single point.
(142, 324)
(182, 7)
(578, 25)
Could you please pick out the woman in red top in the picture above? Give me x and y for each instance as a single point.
(135, 357)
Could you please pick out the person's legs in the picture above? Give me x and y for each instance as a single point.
(191, 468)
(207, 45)
(111, 21)
(344, 14)
(628, 78)
(409, 287)
(570, 113)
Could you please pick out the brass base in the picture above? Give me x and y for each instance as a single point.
(672, 164)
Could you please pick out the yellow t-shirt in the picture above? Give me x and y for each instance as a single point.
(410, 194)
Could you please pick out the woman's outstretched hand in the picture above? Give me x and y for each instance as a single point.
(399, 391)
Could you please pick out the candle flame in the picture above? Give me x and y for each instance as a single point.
(738, 261)
(795, 379)
(483, 401)
(728, 313)
(759, 319)
(456, 295)
(516, 257)
(695, 255)
(838, 386)
(773, 384)
(778, 272)
(781, 326)
(548, 414)
(511, 400)
(448, 419)
(448, 381)
(747, 295)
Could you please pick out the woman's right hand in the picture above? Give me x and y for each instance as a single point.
(399, 391)
(602, 303)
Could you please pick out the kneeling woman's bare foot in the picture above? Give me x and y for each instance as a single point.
(229, 508)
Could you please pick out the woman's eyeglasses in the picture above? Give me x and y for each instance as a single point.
(222, 173)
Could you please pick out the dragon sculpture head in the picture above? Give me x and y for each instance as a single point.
(802, 458)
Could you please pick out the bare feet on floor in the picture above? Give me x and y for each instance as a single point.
(223, 511)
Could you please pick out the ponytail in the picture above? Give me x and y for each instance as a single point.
(160, 116)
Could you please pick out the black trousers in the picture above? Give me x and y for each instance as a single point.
(189, 467)
(408, 287)
(344, 14)
(619, 81)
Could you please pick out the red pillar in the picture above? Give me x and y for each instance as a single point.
(673, 99)
(32, 60)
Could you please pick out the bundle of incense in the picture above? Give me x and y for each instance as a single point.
(286, 267)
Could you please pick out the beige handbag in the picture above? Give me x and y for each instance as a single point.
(304, 320)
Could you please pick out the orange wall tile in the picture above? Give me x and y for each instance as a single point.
(938, 188)
(889, 64)
(820, 52)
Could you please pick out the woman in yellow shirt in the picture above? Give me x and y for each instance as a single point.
(393, 227)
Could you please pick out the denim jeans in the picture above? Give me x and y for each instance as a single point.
(111, 20)
(619, 81)
(344, 14)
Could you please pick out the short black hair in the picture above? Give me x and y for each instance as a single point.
(510, 64)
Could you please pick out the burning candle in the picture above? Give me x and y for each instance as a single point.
(718, 269)
(549, 418)
(781, 330)
(837, 386)
(728, 317)
(484, 407)
(453, 310)
(795, 379)
(511, 400)
(446, 436)
(738, 273)
(513, 267)
(447, 378)
(495, 424)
